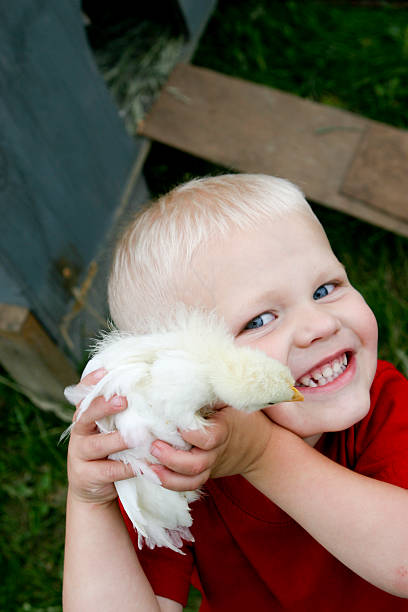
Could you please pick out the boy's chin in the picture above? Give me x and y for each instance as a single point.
(350, 411)
(310, 420)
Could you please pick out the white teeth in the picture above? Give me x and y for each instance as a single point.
(308, 382)
(327, 373)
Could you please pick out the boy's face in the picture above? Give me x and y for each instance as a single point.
(281, 290)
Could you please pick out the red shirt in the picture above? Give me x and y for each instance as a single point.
(249, 555)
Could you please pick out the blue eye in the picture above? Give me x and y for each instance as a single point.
(323, 290)
(260, 321)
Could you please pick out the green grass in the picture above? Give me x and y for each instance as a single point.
(33, 485)
(351, 56)
(339, 53)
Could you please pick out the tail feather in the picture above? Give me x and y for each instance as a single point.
(160, 516)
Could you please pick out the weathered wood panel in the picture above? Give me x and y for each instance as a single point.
(36, 364)
(253, 128)
(379, 172)
(64, 155)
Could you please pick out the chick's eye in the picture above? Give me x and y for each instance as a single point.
(260, 320)
(323, 290)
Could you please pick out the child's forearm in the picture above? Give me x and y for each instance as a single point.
(361, 521)
(101, 570)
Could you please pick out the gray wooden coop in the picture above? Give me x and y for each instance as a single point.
(69, 172)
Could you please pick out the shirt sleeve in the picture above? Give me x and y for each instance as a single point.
(381, 439)
(168, 572)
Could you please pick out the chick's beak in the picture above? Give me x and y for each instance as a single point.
(297, 396)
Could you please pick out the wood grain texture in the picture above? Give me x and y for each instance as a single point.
(65, 157)
(39, 368)
(252, 128)
(379, 172)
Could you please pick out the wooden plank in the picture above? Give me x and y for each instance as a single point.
(379, 172)
(34, 361)
(253, 128)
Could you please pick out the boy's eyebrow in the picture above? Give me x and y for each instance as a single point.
(270, 296)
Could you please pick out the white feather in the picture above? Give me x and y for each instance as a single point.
(170, 379)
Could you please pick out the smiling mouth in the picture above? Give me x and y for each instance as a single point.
(324, 374)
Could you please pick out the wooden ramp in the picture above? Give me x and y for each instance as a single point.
(338, 158)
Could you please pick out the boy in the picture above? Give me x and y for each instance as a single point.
(307, 507)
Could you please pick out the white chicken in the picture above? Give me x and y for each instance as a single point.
(171, 379)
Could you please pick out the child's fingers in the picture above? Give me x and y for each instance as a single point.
(178, 482)
(187, 470)
(189, 463)
(109, 470)
(98, 409)
(100, 446)
(76, 393)
(93, 480)
(212, 436)
(94, 377)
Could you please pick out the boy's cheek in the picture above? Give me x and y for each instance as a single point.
(361, 321)
(371, 328)
(370, 342)
(365, 324)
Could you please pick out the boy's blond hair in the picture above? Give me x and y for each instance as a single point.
(153, 258)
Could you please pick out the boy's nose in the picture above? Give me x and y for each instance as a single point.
(314, 323)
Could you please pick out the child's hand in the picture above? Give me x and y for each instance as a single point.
(90, 474)
(231, 444)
